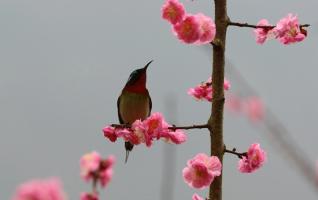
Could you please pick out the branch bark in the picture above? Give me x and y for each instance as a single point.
(257, 26)
(215, 121)
(173, 127)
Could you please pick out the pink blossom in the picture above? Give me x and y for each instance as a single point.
(105, 172)
(137, 136)
(152, 128)
(196, 197)
(262, 34)
(288, 31)
(113, 133)
(254, 159)
(227, 84)
(188, 30)
(110, 133)
(202, 91)
(205, 90)
(233, 103)
(89, 163)
(49, 189)
(207, 29)
(93, 167)
(254, 108)
(155, 125)
(176, 137)
(201, 170)
(173, 11)
(89, 196)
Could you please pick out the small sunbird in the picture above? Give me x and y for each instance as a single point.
(134, 101)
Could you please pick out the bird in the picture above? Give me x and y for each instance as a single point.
(134, 102)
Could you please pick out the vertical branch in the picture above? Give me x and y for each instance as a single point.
(216, 119)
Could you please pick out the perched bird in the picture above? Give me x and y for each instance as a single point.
(134, 101)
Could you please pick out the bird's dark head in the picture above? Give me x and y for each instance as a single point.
(137, 79)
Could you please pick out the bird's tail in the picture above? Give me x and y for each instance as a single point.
(128, 147)
(127, 155)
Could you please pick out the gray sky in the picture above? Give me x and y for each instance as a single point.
(64, 62)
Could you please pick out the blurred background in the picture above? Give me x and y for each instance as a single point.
(63, 64)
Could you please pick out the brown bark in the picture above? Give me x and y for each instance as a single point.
(216, 119)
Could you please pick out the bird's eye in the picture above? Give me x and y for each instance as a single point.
(133, 75)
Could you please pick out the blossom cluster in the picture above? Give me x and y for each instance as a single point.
(201, 170)
(287, 30)
(93, 167)
(205, 90)
(153, 128)
(252, 107)
(191, 29)
(254, 159)
(99, 170)
(48, 189)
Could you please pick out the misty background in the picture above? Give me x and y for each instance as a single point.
(63, 64)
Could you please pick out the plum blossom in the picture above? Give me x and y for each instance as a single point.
(196, 197)
(89, 163)
(175, 137)
(173, 11)
(152, 128)
(195, 29)
(106, 170)
(109, 132)
(253, 160)
(48, 189)
(254, 108)
(204, 91)
(94, 167)
(206, 28)
(262, 34)
(201, 170)
(288, 31)
(188, 30)
(233, 103)
(89, 196)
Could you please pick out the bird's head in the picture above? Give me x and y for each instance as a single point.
(137, 80)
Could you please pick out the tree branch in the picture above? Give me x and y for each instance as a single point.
(173, 127)
(255, 26)
(233, 151)
(215, 121)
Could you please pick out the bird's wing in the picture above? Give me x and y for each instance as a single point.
(121, 121)
(150, 104)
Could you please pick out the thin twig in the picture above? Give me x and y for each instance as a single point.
(239, 155)
(258, 26)
(173, 127)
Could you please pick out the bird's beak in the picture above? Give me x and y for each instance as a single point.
(148, 64)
